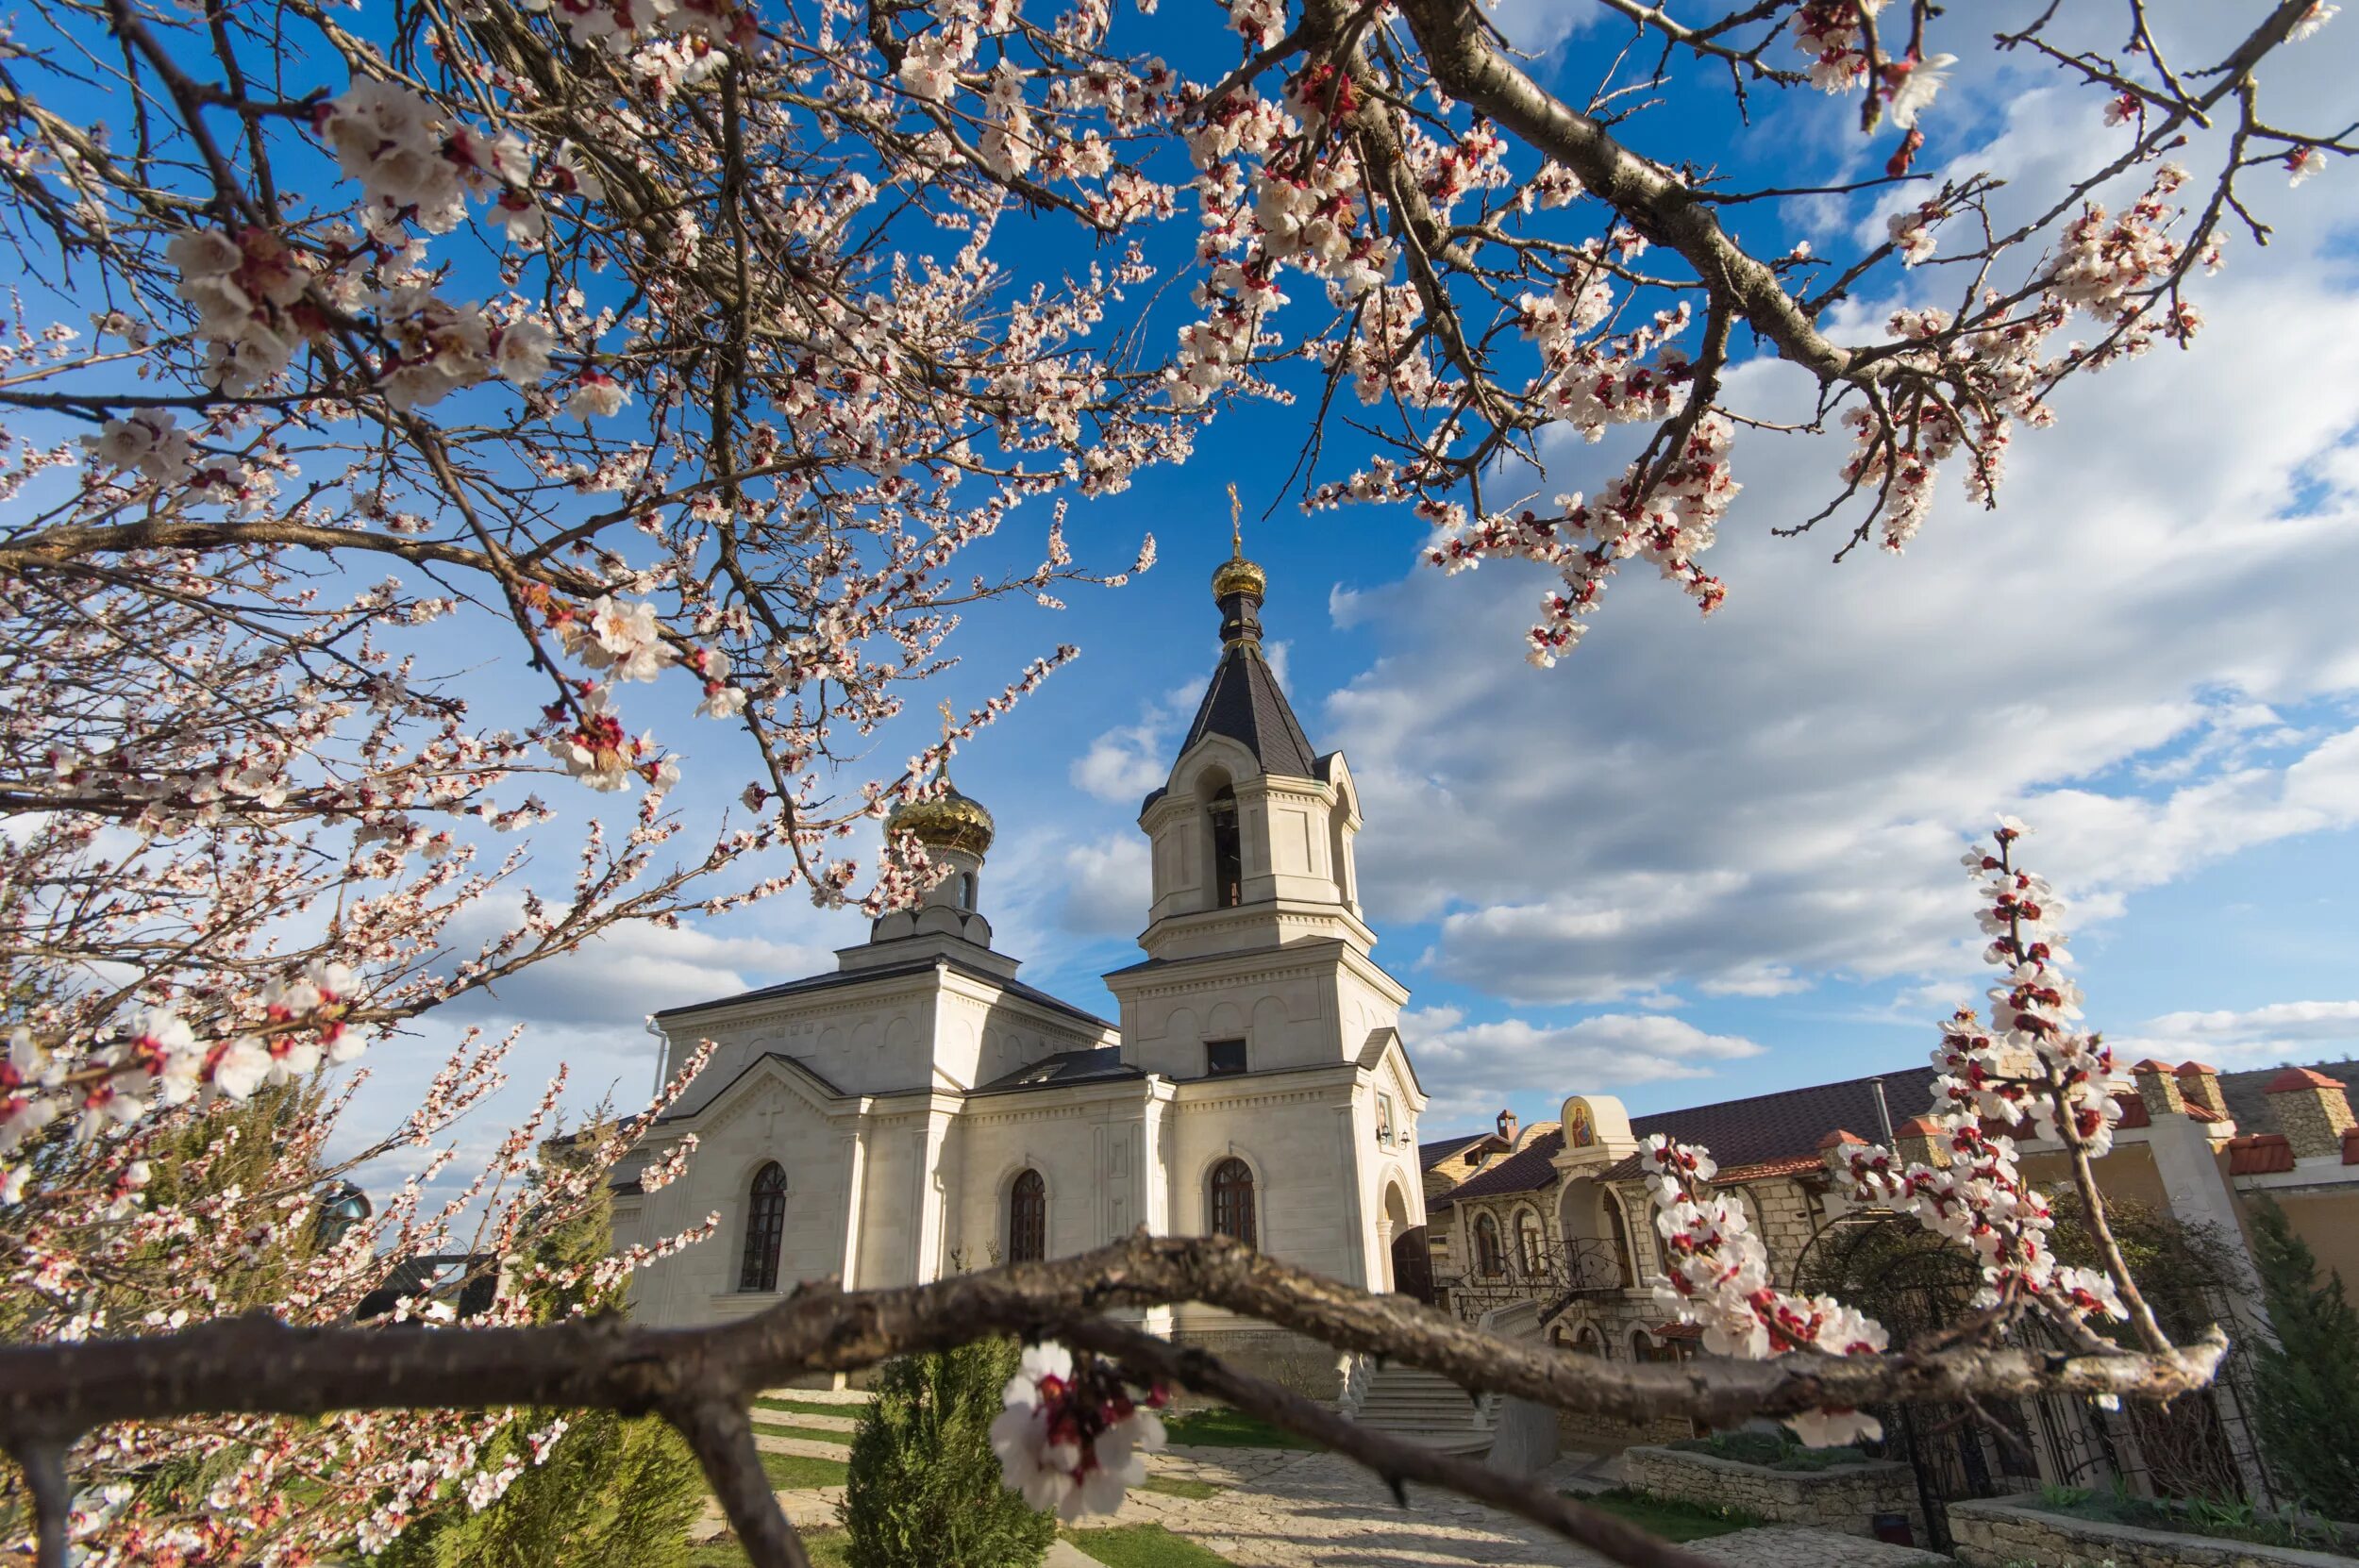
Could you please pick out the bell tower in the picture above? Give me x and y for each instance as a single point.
(1252, 831)
(1251, 854)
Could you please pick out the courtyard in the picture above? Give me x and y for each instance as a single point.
(1234, 1501)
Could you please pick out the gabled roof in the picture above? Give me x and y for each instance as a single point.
(1101, 1065)
(1432, 1153)
(1246, 704)
(1760, 1135)
(890, 972)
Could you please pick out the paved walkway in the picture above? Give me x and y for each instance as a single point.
(1293, 1508)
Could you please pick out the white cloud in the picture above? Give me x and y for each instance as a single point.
(2146, 650)
(1105, 885)
(1123, 763)
(1472, 1068)
(2288, 1031)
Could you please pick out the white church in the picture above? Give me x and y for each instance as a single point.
(921, 1109)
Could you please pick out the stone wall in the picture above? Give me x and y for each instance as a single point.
(1994, 1533)
(1846, 1498)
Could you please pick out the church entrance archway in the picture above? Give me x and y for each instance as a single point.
(1411, 1261)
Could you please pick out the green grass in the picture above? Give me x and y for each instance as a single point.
(1143, 1546)
(809, 1434)
(1180, 1486)
(808, 1407)
(1219, 1427)
(1672, 1518)
(825, 1546)
(800, 1473)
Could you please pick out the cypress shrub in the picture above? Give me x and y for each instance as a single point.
(925, 1489)
(2308, 1408)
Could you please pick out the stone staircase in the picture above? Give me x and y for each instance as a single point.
(1426, 1407)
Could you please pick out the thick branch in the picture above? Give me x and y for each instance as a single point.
(1473, 71)
(256, 1365)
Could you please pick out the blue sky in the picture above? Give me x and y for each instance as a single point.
(1700, 861)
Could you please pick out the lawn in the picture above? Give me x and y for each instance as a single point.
(1143, 1546)
(825, 1546)
(1219, 1427)
(1672, 1518)
(809, 1434)
(808, 1407)
(800, 1473)
(1179, 1485)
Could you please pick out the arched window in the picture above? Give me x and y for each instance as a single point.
(1028, 1219)
(766, 1227)
(1228, 851)
(1588, 1341)
(1232, 1201)
(966, 890)
(1641, 1348)
(1529, 1247)
(1488, 1258)
(1617, 1231)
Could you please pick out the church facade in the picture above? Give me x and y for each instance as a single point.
(920, 1110)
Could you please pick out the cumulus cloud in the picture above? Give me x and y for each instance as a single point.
(1105, 885)
(2279, 1032)
(1472, 1068)
(2146, 650)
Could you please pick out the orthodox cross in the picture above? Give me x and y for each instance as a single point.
(1236, 524)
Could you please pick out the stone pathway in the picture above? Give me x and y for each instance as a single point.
(1295, 1509)
(1304, 1508)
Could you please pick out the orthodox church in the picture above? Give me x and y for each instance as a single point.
(921, 1109)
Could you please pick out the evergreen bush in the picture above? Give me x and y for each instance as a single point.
(2308, 1408)
(925, 1489)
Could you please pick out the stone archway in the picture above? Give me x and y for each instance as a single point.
(1410, 1262)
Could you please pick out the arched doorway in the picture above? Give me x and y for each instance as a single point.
(1413, 1257)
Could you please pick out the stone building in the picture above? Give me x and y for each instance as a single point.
(1556, 1239)
(922, 1110)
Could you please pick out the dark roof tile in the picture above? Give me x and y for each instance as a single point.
(1246, 704)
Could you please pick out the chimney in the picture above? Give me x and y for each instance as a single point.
(1507, 1126)
(2311, 1109)
(1837, 1149)
(2158, 1085)
(1921, 1139)
(2199, 1085)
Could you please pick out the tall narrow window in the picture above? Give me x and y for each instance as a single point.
(1618, 1229)
(1528, 1244)
(1488, 1258)
(1228, 851)
(766, 1227)
(1028, 1219)
(1232, 1201)
(966, 890)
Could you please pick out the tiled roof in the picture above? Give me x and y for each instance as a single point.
(890, 972)
(1432, 1153)
(2133, 1114)
(1758, 1136)
(1246, 704)
(2260, 1154)
(2247, 1093)
(1525, 1171)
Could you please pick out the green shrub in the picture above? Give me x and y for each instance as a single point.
(2308, 1408)
(924, 1490)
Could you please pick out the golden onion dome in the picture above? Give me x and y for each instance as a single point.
(1238, 575)
(945, 821)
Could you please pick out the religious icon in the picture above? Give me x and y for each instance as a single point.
(1579, 1134)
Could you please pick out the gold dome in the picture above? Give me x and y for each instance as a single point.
(1238, 575)
(947, 820)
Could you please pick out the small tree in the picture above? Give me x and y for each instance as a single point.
(924, 1489)
(2308, 1407)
